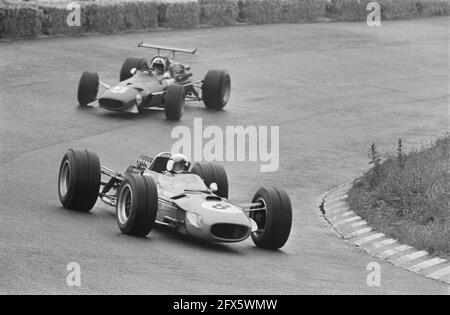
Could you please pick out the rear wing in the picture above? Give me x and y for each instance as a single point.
(164, 48)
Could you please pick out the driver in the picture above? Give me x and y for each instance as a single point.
(178, 163)
(158, 66)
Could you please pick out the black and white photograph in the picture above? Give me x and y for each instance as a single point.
(224, 155)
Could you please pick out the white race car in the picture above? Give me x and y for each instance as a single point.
(193, 202)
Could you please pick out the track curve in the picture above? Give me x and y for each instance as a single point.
(333, 89)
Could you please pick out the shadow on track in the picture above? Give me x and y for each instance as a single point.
(196, 110)
(166, 232)
(194, 243)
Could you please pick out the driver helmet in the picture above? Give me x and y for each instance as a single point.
(178, 163)
(158, 64)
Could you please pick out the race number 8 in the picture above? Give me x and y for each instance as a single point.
(221, 206)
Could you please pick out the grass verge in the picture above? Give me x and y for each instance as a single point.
(407, 196)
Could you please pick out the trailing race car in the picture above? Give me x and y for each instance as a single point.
(166, 190)
(163, 84)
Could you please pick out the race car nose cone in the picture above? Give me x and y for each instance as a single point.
(119, 98)
(230, 232)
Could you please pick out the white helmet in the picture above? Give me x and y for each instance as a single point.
(160, 63)
(178, 163)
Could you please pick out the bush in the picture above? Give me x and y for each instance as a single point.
(219, 12)
(48, 17)
(22, 20)
(355, 10)
(274, 11)
(179, 15)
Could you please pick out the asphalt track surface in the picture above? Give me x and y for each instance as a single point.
(333, 89)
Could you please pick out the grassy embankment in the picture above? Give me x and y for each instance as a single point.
(407, 196)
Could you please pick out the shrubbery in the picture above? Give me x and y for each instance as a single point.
(48, 17)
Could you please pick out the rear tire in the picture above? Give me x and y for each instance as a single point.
(88, 88)
(275, 222)
(137, 205)
(216, 89)
(79, 180)
(174, 102)
(130, 63)
(213, 173)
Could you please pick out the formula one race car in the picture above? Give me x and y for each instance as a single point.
(162, 84)
(166, 190)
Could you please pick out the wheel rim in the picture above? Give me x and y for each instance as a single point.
(260, 217)
(64, 179)
(124, 204)
(226, 92)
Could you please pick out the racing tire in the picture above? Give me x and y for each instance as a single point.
(213, 173)
(130, 63)
(174, 102)
(274, 224)
(79, 180)
(216, 89)
(137, 205)
(88, 88)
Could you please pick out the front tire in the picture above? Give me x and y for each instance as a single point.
(88, 88)
(137, 205)
(79, 180)
(275, 221)
(216, 89)
(130, 63)
(174, 102)
(213, 173)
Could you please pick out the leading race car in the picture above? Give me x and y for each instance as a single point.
(161, 84)
(166, 190)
